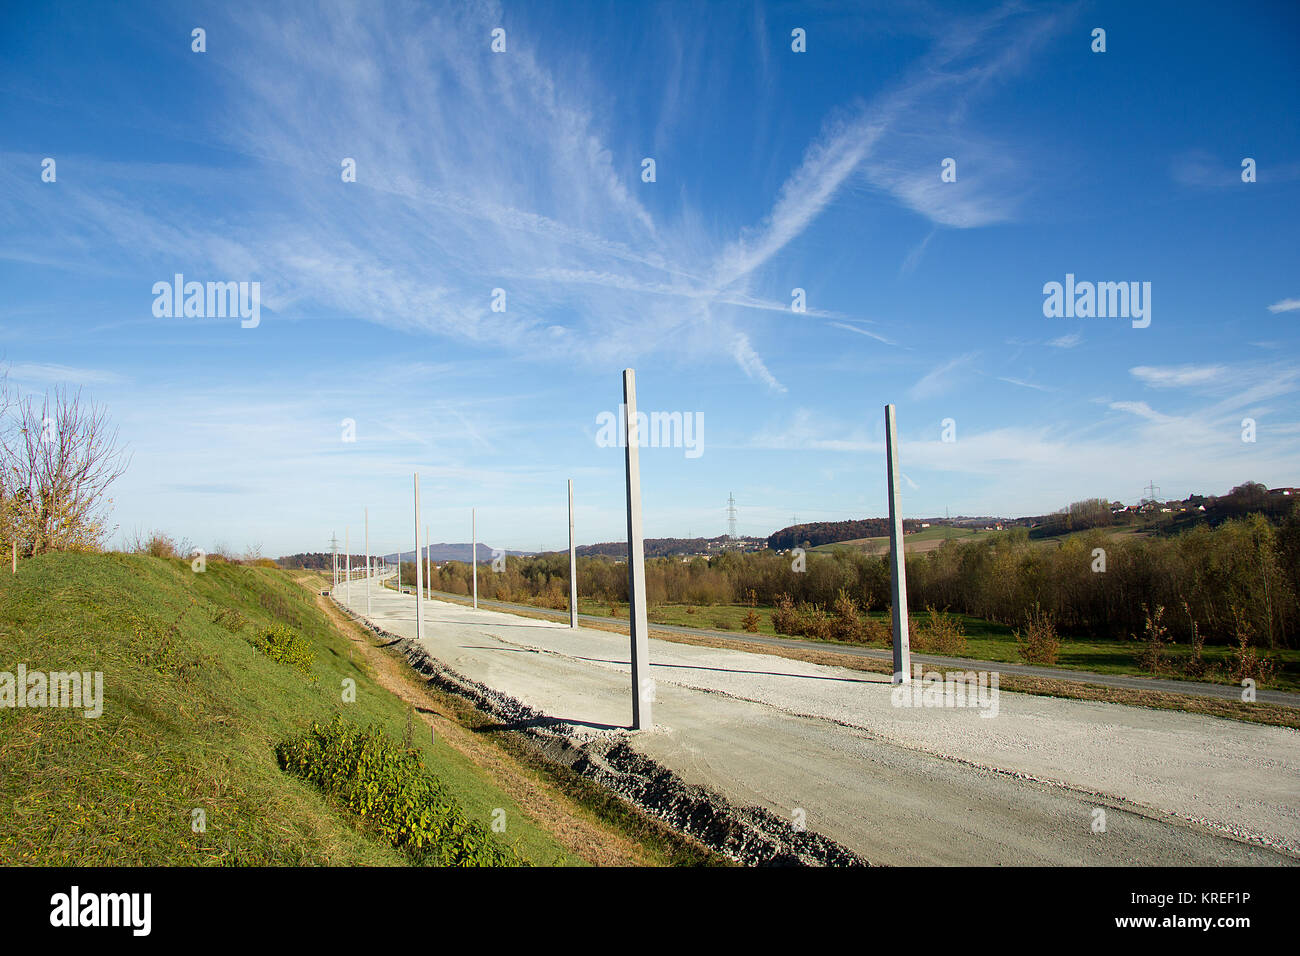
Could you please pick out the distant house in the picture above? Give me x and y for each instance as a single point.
(1284, 492)
(925, 524)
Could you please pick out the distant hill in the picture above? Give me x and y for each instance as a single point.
(829, 532)
(669, 547)
(464, 551)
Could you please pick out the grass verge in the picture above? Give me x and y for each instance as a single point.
(180, 768)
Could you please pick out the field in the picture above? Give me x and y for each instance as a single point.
(917, 543)
(985, 640)
(931, 538)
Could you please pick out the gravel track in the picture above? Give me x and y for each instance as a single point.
(769, 742)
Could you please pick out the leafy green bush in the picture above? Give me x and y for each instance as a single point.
(284, 644)
(391, 789)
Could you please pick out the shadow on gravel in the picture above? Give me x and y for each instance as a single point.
(512, 650)
(882, 679)
(538, 723)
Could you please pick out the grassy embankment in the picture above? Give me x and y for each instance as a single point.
(192, 714)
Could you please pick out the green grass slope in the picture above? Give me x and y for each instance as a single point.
(191, 717)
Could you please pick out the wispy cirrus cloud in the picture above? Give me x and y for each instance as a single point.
(1201, 169)
(1177, 376)
(513, 178)
(53, 374)
(942, 378)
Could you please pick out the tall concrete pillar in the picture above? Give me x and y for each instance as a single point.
(370, 568)
(573, 566)
(642, 685)
(898, 564)
(428, 563)
(347, 560)
(419, 576)
(473, 533)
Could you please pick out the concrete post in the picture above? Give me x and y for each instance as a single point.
(370, 569)
(347, 561)
(419, 576)
(428, 563)
(573, 566)
(473, 533)
(642, 685)
(898, 564)
(15, 557)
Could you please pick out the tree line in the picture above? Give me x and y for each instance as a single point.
(1212, 581)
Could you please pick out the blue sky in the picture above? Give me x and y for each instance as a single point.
(775, 170)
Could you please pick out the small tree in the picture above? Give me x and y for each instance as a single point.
(1039, 644)
(60, 456)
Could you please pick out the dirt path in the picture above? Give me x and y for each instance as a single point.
(573, 826)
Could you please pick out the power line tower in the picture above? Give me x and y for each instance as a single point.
(1151, 490)
(731, 516)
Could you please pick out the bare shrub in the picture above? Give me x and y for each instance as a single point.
(1196, 665)
(1150, 657)
(941, 633)
(875, 631)
(785, 620)
(815, 622)
(1244, 663)
(846, 624)
(751, 622)
(1039, 644)
(157, 544)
